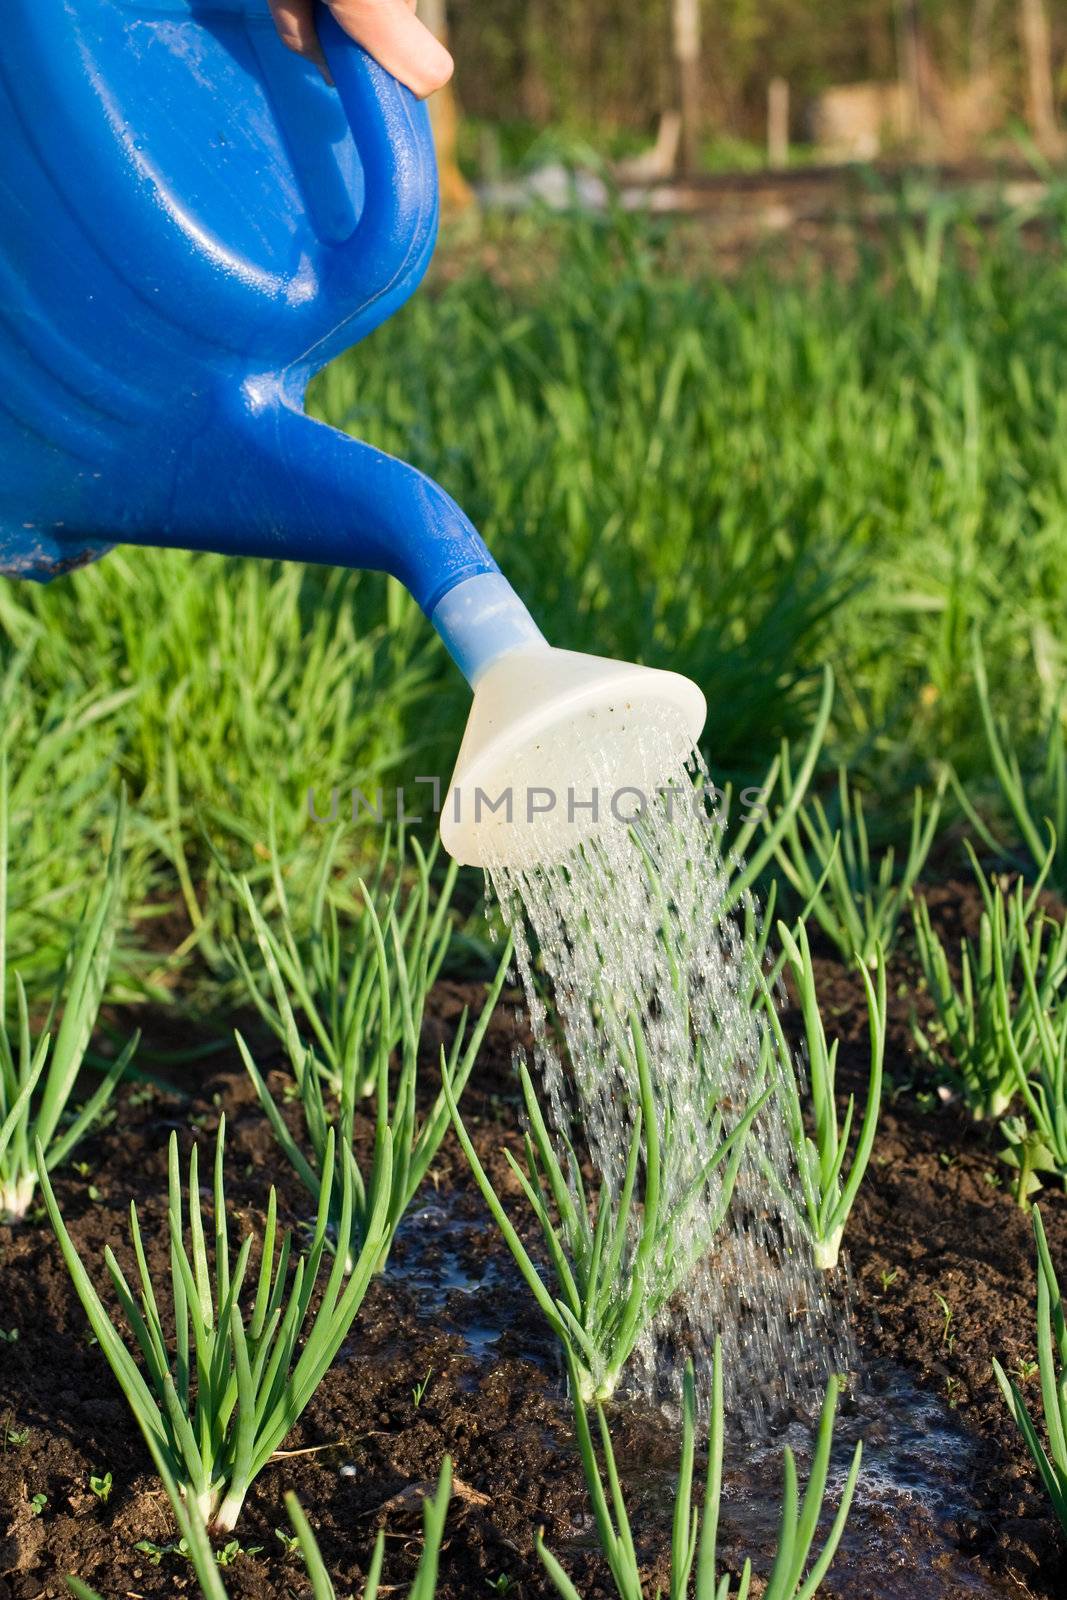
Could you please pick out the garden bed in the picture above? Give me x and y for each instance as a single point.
(948, 1503)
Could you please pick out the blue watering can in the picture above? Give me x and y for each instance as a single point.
(194, 224)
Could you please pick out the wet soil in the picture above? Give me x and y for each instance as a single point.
(948, 1505)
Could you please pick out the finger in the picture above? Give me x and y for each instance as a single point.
(295, 22)
(390, 32)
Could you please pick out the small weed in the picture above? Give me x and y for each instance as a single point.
(947, 1339)
(9, 1336)
(1025, 1370)
(1023, 1150)
(420, 1389)
(289, 1541)
(501, 1584)
(37, 1504)
(232, 1550)
(14, 1436)
(889, 1278)
(156, 1552)
(101, 1487)
(952, 1391)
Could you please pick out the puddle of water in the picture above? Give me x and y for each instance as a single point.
(919, 1463)
(430, 1246)
(914, 1492)
(435, 1254)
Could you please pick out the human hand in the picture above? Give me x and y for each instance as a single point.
(388, 30)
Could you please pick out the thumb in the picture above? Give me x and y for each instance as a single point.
(390, 31)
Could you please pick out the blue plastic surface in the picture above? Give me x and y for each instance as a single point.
(482, 619)
(193, 225)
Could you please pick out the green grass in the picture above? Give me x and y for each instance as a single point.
(771, 481)
(63, 803)
(221, 691)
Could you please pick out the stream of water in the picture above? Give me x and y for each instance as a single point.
(635, 924)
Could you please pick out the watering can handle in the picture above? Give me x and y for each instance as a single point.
(391, 129)
(295, 489)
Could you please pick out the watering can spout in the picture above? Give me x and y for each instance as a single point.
(267, 480)
(553, 736)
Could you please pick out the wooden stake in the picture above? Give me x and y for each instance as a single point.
(686, 18)
(778, 123)
(1040, 91)
(456, 192)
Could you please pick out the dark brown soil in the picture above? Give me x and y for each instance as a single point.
(934, 1219)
